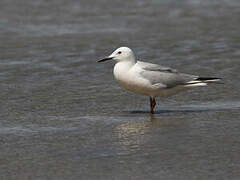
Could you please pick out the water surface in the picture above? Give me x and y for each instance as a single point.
(63, 116)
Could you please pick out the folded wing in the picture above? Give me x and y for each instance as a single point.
(166, 77)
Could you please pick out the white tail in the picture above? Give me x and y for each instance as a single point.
(202, 81)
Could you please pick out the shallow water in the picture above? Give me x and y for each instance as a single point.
(63, 116)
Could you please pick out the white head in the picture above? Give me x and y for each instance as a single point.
(121, 54)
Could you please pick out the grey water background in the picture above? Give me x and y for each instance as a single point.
(63, 116)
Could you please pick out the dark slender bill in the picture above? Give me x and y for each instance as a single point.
(105, 59)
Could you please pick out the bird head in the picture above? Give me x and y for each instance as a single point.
(120, 54)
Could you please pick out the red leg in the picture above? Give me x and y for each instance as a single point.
(152, 104)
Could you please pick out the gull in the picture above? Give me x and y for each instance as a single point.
(151, 79)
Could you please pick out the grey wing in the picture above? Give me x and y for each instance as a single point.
(164, 76)
(155, 67)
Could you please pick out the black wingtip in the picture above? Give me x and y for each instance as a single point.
(208, 78)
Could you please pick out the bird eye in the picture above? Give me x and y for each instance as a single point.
(119, 52)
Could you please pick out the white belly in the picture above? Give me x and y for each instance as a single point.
(135, 85)
(150, 90)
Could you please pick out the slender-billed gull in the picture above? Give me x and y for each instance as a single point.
(151, 79)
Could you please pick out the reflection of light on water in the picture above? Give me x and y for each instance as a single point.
(131, 135)
(132, 129)
(138, 135)
(134, 136)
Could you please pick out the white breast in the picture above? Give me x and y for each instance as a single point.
(128, 77)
